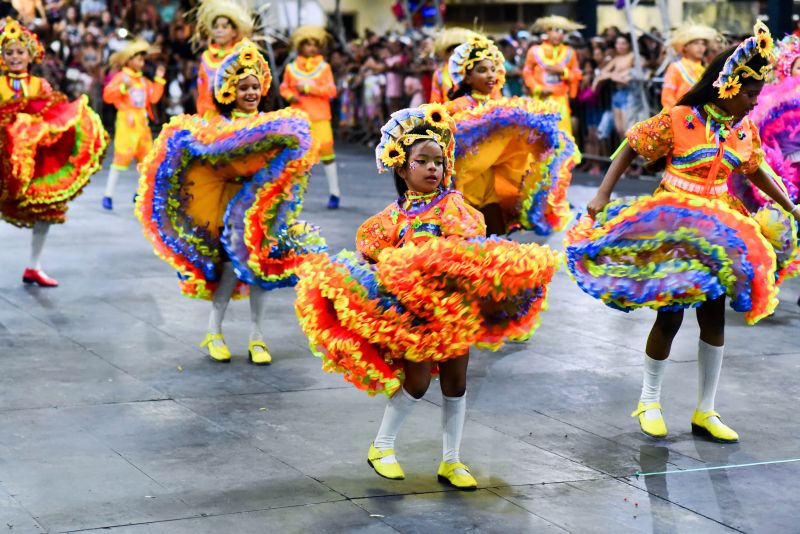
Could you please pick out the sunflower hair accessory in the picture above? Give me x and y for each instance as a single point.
(13, 31)
(244, 61)
(396, 137)
(729, 82)
(467, 55)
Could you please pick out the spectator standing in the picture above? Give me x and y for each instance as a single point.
(619, 71)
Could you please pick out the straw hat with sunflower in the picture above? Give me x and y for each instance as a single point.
(244, 61)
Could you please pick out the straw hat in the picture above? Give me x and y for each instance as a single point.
(236, 11)
(138, 46)
(450, 37)
(556, 22)
(692, 32)
(309, 33)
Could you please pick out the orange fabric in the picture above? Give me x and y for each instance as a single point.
(393, 227)
(695, 164)
(209, 63)
(440, 85)
(35, 86)
(679, 78)
(315, 74)
(129, 91)
(561, 83)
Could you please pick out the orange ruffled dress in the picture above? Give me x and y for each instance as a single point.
(438, 287)
(691, 241)
(50, 148)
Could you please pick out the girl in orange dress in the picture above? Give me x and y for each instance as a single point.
(692, 243)
(49, 147)
(425, 286)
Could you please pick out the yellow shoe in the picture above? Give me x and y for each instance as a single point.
(218, 353)
(655, 428)
(390, 471)
(259, 357)
(716, 431)
(448, 474)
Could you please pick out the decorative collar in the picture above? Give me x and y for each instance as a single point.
(132, 73)
(237, 114)
(414, 203)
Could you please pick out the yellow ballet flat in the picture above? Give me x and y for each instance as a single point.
(259, 357)
(655, 428)
(715, 431)
(217, 353)
(390, 471)
(447, 474)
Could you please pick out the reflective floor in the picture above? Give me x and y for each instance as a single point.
(112, 418)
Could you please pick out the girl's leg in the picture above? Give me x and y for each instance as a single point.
(34, 274)
(454, 409)
(257, 349)
(493, 215)
(216, 344)
(111, 185)
(711, 319)
(331, 174)
(659, 343)
(417, 379)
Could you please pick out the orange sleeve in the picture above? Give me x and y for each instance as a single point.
(287, 88)
(46, 88)
(461, 219)
(115, 90)
(574, 75)
(529, 71)
(652, 138)
(756, 156)
(155, 90)
(669, 93)
(437, 92)
(376, 234)
(325, 86)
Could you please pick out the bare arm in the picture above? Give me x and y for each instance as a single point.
(618, 166)
(762, 179)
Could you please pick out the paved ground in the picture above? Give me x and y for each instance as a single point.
(111, 418)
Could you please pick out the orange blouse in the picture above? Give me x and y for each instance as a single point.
(699, 158)
(679, 78)
(315, 74)
(418, 218)
(541, 57)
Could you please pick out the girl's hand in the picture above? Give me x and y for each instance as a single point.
(597, 204)
(161, 70)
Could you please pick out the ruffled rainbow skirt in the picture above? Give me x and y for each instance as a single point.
(220, 190)
(422, 302)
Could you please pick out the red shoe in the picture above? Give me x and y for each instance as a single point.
(37, 276)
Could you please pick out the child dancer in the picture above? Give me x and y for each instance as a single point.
(446, 41)
(223, 23)
(50, 147)
(513, 163)
(133, 95)
(218, 198)
(551, 71)
(434, 287)
(691, 43)
(308, 85)
(692, 243)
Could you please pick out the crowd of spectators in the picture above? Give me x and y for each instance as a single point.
(376, 74)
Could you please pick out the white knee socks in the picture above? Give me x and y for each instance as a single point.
(111, 184)
(397, 410)
(37, 243)
(651, 384)
(454, 412)
(258, 296)
(227, 283)
(333, 179)
(709, 365)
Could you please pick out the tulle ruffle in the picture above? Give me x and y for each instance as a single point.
(422, 302)
(673, 251)
(52, 147)
(532, 159)
(260, 234)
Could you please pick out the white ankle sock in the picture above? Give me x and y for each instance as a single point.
(332, 175)
(38, 238)
(397, 410)
(111, 183)
(225, 287)
(454, 412)
(651, 384)
(709, 366)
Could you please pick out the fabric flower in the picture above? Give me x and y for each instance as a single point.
(393, 155)
(730, 88)
(436, 116)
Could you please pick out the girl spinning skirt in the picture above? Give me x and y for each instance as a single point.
(426, 285)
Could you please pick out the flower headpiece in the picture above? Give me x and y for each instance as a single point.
(245, 60)
(788, 51)
(469, 54)
(236, 11)
(728, 83)
(396, 139)
(13, 31)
